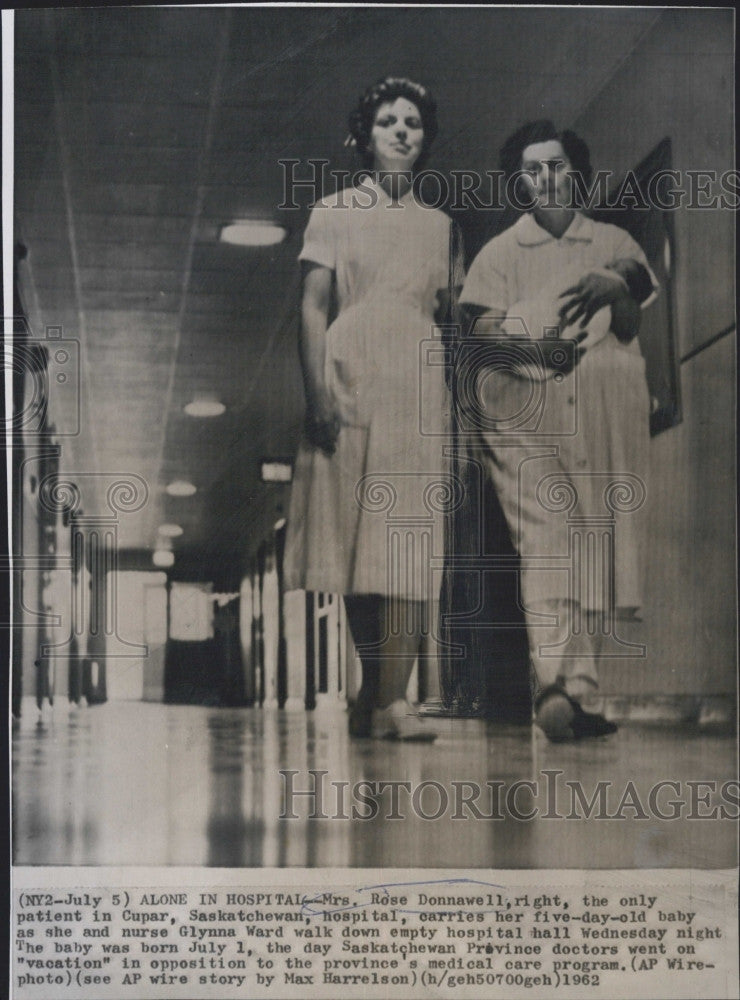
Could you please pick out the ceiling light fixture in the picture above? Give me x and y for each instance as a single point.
(180, 488)
(276, 471)
(163, 558)
(203, 406)
(170, 530)
(252, 233)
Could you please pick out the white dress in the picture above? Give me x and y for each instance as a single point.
(592, 432)
(368, 519)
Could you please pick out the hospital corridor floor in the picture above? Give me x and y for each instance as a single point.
(134, 783)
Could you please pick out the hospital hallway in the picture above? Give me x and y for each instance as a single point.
(128, 783)
(177, 684)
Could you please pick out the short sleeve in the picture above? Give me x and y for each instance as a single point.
(626, 248)
(319, 240)
(486, 283)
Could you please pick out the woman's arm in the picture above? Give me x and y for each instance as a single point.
(626, 314)
(626, 311)
(322, 421)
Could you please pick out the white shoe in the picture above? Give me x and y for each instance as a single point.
(399, 721)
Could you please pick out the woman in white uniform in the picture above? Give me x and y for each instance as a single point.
(367, 501)
(558, 275)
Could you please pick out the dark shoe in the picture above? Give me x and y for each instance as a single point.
(561, 718)
(591, 724)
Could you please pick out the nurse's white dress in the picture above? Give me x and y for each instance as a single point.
(368, 519)
(586, 455)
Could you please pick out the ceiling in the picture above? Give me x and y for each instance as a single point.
(140, 131)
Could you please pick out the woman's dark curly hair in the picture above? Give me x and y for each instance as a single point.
(510, 157)
(388, 89)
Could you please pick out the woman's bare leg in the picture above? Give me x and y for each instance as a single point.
(364, 617)
(401, 622)
(388, 634)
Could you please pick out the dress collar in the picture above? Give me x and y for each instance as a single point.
(383, 198)
(530, 234)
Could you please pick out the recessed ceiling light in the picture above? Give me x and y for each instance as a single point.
(170, 530)
(276, 471)
(252, 233)
(180, 488)
(204, 408)
(163, 558)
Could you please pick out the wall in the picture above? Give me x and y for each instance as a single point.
(679, 83)
(141, 600)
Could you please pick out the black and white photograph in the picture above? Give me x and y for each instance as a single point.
(370, 414)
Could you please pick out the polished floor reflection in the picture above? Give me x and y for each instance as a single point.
(131, 783)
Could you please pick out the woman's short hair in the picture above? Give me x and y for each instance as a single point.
(387, 90)
(543, 130)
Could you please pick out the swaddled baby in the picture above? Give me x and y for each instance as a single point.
(539, 319)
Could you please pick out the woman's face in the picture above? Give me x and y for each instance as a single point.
(547, 173)
(397, 135)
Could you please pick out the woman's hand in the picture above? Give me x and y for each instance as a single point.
(593, 292)
(322, 425)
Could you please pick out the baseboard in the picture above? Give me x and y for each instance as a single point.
(718, 711)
